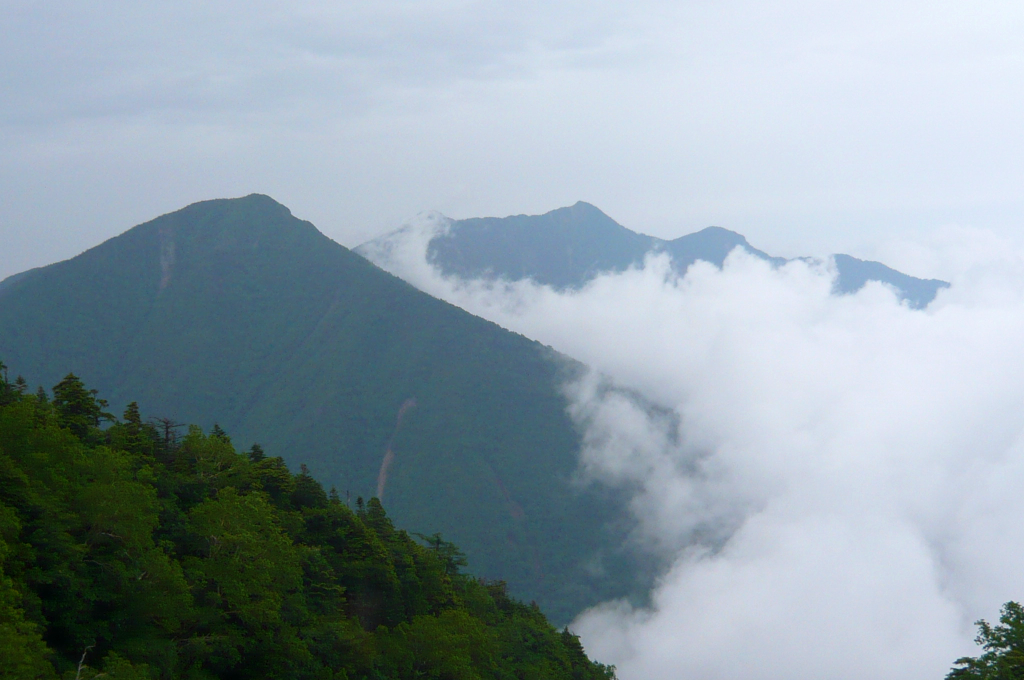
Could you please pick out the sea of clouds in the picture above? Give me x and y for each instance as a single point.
(836, 481)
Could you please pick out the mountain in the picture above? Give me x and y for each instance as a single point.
(567, 247)
(562, 248)
(235, 312)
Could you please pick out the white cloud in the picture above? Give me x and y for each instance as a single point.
(834, 480)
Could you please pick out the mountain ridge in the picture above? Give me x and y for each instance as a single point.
(566, 247)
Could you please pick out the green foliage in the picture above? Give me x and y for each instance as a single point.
(447, 552)
(451, 645)
(23, 653)
(129, 554)
(1004, 649)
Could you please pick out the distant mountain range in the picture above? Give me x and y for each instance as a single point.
(235, 312)
(567, 247)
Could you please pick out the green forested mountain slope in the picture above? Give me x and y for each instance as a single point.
(235, 312)
(129, 555)
(567, 247)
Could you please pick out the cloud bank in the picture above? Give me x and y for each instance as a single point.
(835, 481)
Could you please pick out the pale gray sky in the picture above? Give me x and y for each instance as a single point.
(810, 127)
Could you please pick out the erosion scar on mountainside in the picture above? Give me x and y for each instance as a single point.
(389, 456)
(167, 255)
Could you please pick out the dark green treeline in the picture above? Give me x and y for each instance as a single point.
(141, 551)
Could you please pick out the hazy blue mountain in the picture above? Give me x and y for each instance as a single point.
(712, 244)
(567, 247)
(854, 273)
(236, 312)
(562, 248)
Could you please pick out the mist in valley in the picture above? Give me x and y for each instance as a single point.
(833, 481)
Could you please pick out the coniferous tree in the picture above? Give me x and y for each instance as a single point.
(308, 492)
(256, 453)
(79, 408)
(220, 433)
(134, 430)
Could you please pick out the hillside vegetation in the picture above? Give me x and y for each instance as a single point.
(131, 553)
(233, 311)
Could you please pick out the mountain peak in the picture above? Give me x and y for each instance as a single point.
(580, 215)
(224, 225)
(252, 204)
(718, 235)
(583, 206)
(712, 244)
(720, 232)
(220, 234)
(567, 247)
(560, 247)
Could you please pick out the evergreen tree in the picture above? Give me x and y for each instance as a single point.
(78, 408)
(220, 433)
(135, 439)
(308, 492)
(256, 453)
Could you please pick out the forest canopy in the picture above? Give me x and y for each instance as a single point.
(1003, 658)
(139, 549)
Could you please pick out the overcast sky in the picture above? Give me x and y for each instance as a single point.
(810, 127)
